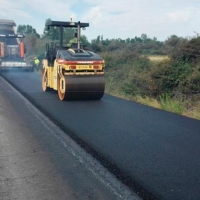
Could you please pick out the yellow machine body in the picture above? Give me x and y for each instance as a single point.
(80, 79)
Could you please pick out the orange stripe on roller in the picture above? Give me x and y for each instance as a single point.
(85, 62)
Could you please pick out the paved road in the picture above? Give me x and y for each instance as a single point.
(156, 153)
(39, 162)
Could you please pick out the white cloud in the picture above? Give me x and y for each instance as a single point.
(11, 10)
(179, 16)
(113, 18)
(155, 18)
(95, 14)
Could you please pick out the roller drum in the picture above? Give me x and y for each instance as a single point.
(84, 87)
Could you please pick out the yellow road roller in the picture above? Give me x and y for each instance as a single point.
(74, 72)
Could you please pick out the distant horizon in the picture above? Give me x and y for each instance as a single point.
(16, 26)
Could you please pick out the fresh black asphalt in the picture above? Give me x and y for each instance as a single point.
(38, 161)
(154, 152)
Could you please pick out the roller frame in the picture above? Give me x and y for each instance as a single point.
(75, 73)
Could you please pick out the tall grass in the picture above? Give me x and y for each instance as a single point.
(165, 102)
(168, 104)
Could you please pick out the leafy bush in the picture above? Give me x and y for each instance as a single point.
(129, 71)
(187, 51)
(118, 59)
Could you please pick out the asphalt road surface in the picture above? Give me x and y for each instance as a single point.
(155, 153)
(38, 161)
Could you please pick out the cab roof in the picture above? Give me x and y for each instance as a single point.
(7, 22)
(66, 24)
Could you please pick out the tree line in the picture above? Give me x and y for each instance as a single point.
(142, 44)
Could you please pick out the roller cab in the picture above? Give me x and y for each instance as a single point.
(75, 73)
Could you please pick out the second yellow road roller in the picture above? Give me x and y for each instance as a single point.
(74, 72)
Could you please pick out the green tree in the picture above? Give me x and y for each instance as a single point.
(172, 43)
(144, 38)
(27, 30)
(84, 40)
(51, 33)
(173, 40)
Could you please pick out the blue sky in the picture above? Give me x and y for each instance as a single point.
(113, 18)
